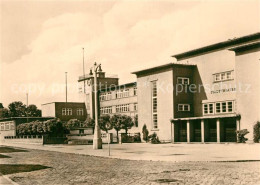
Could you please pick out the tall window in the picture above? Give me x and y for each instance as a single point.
(135, 106)
(63, 111)
(154, 104)
(2, 126)
(80, 112)
(135, 91)
(69, 111)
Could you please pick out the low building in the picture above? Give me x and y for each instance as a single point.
(65, 110)
(8, 125)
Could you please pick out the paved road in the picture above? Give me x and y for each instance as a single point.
(162, 152)
(82, 169)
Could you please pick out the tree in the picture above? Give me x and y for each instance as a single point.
(145, 133)
(33, 111)
(136, 120)
(116, 123)
(257, 132)
(17, 109)
(126, 122)
(5, 113)
(105, 123)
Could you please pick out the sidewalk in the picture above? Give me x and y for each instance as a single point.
(161, 152)
(4, 180)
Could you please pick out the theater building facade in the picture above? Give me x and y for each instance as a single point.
(206, 95)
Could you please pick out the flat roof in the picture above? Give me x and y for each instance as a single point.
(12, 118)
(60, 102)
(217, 46)
(164, 66)
(113, 87)
(247, 47)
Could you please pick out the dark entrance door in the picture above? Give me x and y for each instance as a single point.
(229, 129)
(197, 130)
(182, 131)
(212, 130)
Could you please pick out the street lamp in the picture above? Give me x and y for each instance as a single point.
(97, 141)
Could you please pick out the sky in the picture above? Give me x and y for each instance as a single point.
(41, 40)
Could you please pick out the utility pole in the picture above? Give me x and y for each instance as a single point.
(27, 106)
(84, 72)
(66, 87)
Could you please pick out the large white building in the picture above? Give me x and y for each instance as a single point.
(208, 94)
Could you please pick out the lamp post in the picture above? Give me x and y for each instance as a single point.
(97, 141)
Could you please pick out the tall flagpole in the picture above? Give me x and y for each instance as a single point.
(84, 72)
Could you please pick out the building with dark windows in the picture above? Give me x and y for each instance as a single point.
(208, 94)
(65, 110)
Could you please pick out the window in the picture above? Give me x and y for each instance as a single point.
(106, 110)
(2, 126)
(154, 105)
(80, 112)
(183, 107)
(64, 111)
(230, 106)
(183, 80)
(135, 106)
(122, 93)
(218, 77)
(69, 111)
(220, 107)
(105, 96)
(135, 91)
(11, 125)
(7, 126)
(122, 108)
(208, 108)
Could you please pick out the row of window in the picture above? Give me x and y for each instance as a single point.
(122, 108)
(218, 107)
(119, 108)
(218, 77)
(119, 94)
(7, 126)
(106, 110)
(68, 111)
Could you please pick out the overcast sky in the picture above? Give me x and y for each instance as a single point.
(41, 40)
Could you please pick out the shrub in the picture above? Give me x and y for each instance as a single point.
(137, 137)
(154, 138)
(72, 123)
(145, 133)
(257, 132)
(241, 135)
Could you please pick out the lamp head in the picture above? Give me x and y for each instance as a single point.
(90, 72)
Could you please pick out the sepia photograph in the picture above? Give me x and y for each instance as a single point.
(129, 92)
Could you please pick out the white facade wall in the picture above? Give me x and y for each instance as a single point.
(164, 102)
(248, 96)
(48, 110)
